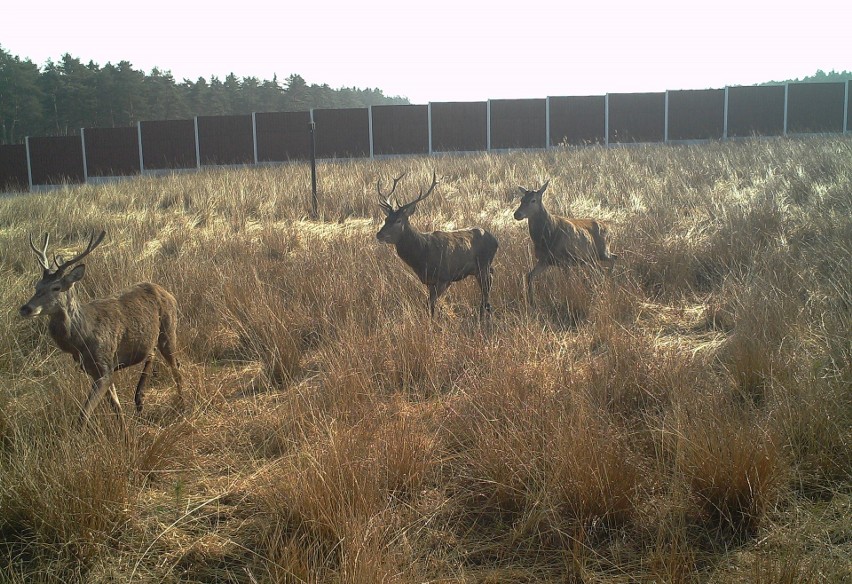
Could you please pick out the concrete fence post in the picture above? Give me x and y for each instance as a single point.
(429, 121)
(29, 165)
(488, 125)
(197, 146)
(85, 160)
(547, 122)
(141, 155)
(254, 133)
(370, 131)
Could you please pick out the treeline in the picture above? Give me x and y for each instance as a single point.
(819, 77)
(62, 97)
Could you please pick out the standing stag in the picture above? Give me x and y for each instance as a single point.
(441, 257)
(560, 241)
(107, 334)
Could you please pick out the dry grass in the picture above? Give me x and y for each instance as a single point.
(683, 417)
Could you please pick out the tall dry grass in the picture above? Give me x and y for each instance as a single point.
(683, 417)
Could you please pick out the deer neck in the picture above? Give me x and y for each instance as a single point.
(540, 223)
(411, 247)
(68, 326)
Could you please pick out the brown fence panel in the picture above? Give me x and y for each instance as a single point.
(697, 114)
(225, 140)
(815, 107)
(518, 123)
(168, 144)
(342, 133)
(756, 111)
(637, 117)
(400, 129)
(56, 159)
(13, 168)
(459, 126)
(283, 136)
(112, 151)
(578, 120)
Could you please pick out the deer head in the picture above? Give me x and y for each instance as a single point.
(396, 219)
(530, 202)
(57, 279)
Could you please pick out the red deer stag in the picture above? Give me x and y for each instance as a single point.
(441, 257)
(560, 241)
(107, 334)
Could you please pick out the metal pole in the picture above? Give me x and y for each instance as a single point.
(314, 212)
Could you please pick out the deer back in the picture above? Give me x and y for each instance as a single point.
(447, 256)
(116, 332)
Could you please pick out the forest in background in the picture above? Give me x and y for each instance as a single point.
(62, 97)
(819, 77)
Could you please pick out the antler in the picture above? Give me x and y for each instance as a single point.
(386, 203)
(422, 196)
(41, 254)
(93, 243)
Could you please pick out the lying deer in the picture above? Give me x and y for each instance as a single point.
(107, 334)
(560, 241)
(441, 257)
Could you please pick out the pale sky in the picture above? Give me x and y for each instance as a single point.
(444, 50)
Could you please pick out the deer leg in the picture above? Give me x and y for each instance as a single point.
(140, 387)
(166, 344)
(99, 389)
(537, 269)
(485, 280)
(116, 408)
(435, 292)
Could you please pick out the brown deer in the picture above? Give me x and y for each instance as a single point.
(560, 241)
(108, 334)
(441, 257)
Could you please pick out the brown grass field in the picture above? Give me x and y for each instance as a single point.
(685, 416)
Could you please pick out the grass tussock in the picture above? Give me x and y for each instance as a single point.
(681, 416)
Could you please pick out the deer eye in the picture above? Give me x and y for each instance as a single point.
(55, 288)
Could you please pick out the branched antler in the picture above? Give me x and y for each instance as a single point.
(385, 203)
(41, 254)
(423, 195)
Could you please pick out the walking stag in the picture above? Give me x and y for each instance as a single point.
(441, 257)
(107, 334)
(560, 241)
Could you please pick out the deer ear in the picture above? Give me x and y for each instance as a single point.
(74, 275)
(409, 211)
(543, 187)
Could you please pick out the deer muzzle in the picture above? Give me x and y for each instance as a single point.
(28, 311)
